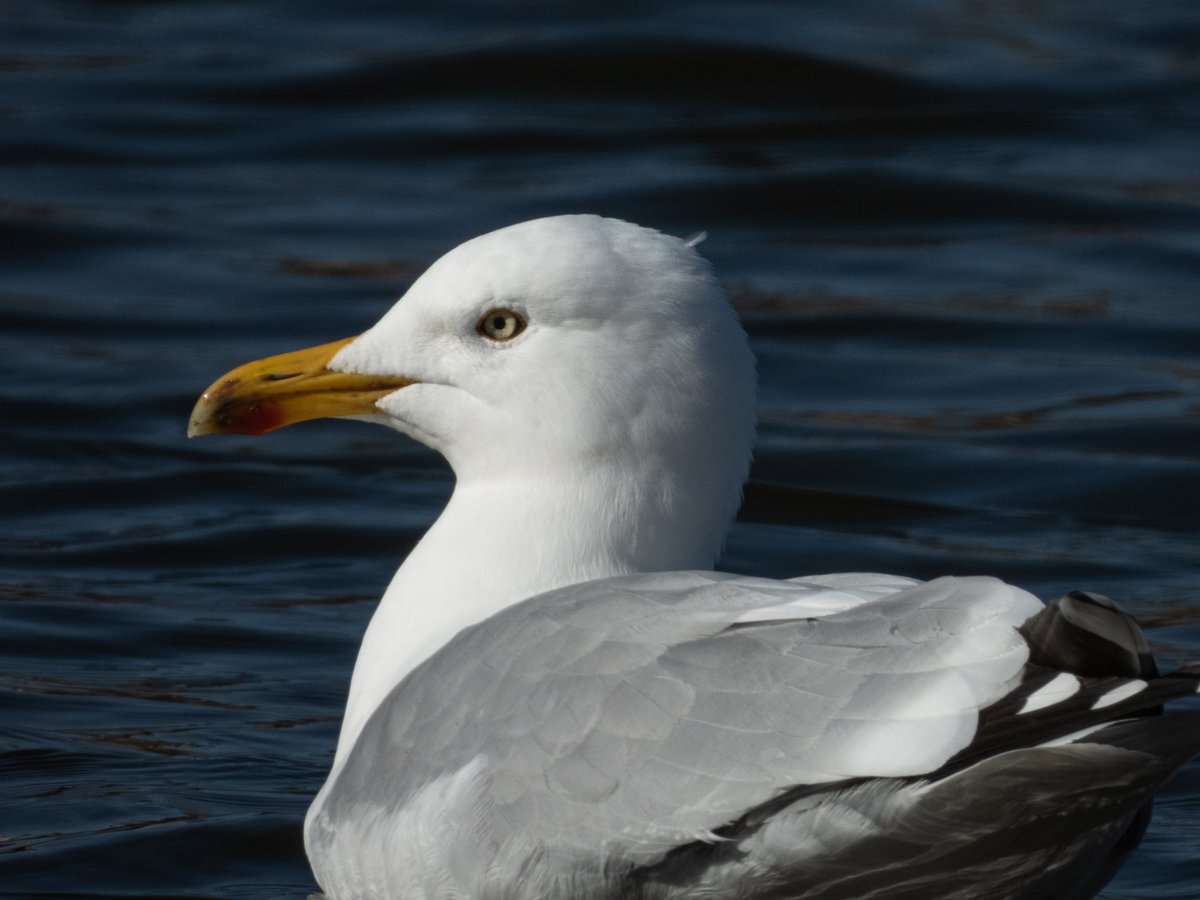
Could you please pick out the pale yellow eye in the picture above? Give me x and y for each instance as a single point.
(500, 324)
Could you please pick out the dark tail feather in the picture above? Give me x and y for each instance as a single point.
(1088, 634)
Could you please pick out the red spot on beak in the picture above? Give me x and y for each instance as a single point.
(255, 417)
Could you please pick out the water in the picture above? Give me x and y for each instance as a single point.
(965, 236)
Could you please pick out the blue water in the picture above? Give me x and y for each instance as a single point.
(965, 237)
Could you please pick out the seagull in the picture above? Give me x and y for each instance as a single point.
(557, 696)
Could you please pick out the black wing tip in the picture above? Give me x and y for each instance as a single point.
(1088, 634)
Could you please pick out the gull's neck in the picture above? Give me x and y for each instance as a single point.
(499, 542)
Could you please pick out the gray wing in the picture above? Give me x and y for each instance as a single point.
(638, 713)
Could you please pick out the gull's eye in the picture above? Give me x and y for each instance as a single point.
(500, 324)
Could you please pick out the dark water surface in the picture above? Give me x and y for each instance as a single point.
(965, 236)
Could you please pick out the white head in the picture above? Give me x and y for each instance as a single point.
(571, 349)
(590, 385)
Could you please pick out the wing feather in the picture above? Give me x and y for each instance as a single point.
(667, 705)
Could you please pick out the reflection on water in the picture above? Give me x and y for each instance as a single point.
(964, 237)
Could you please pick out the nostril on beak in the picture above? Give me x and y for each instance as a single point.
(279, 376)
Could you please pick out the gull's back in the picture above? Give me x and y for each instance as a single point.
(703, 734)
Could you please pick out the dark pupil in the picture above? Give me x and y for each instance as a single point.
(498, 323)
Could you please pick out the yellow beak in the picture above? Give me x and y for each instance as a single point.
(280, 390)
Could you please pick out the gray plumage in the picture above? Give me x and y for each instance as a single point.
(702, 734)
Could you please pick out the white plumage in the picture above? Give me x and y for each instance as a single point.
(544, 706)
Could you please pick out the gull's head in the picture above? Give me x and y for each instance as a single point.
(560, 345)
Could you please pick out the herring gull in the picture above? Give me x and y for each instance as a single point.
(558, 698)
